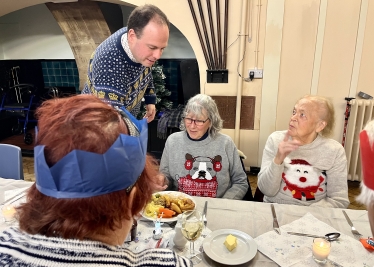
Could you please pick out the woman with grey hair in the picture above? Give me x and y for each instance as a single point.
(201, 161)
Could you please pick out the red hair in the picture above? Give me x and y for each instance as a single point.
(82, 122)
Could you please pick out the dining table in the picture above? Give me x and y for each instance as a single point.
(252, 218)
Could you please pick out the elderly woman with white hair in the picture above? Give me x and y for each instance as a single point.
(301, 165)
(201, 161)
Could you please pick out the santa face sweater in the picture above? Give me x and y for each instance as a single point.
(210, 167)
(314, 174)
(20, 249)
(116, 79)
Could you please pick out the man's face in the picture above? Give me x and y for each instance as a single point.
(152, 42)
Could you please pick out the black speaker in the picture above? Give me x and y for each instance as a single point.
(190, 77)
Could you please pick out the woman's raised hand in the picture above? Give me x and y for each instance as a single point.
(285, 147)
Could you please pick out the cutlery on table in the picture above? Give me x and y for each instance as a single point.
(204, 234)
(204, 213)
(15, 198)
(356, 233)
(275, 221)
(333, 263)
(328, 237)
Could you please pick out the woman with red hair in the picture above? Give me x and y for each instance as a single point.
(92, 178)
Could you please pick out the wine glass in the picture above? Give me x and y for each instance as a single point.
(192, 226)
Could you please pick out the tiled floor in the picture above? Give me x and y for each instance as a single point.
(353, 187)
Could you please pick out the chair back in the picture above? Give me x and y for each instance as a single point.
(11, 165)
(248, 196)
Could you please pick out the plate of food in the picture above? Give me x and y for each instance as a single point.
(169, 204)
(230, 246)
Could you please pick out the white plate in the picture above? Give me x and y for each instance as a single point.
(215, 249)
(173, 193)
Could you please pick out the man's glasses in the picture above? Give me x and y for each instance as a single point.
(197, 122)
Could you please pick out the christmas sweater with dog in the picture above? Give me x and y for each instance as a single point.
(315, 174)
(207, 168)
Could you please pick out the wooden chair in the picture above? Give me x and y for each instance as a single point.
(259, 196)
(248, 196)
(11, 166)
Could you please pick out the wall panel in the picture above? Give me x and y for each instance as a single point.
(298, 49)
(366, 74)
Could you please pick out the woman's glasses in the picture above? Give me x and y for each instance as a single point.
(197, 122)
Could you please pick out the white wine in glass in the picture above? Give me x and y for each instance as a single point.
(192, 226)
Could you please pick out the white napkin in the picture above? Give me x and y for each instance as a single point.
(11, 193)
(291, 250)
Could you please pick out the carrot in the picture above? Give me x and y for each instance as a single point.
(167, 212)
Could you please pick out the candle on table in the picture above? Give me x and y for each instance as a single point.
(321, 249)
(8, 213)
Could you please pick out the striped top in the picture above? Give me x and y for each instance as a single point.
(21, 249)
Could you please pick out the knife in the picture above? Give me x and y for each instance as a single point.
(15, 198)
(275, 221)
(204, 213)
(347, 218)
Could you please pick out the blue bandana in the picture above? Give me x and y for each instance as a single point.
(82, 174)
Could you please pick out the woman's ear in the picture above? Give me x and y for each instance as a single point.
(132, 196)
(320, 126)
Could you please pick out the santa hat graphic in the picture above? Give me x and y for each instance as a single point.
(296, 162)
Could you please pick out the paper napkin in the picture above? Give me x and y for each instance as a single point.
(291, 250)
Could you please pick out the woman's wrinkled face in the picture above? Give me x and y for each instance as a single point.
(197, 126)
(305, 122)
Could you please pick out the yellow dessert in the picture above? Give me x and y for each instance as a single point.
(230, 242)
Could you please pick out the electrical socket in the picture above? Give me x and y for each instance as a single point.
(257, 72)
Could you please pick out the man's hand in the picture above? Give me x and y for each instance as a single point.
(151, 112)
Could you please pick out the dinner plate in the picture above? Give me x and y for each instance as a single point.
(215, 249)
(172, 193)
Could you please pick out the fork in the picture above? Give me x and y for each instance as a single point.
(353, 229)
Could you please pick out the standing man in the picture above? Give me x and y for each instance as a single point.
(120, 68)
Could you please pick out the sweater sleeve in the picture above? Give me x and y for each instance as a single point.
(270, 176)
(239, 182)
(337, 187)
(164, 167)
(150, 93)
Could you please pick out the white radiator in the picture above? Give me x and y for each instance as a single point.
(361, 112)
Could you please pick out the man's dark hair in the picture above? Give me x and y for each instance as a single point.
(142, 15)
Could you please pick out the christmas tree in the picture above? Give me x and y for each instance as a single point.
(162, 93)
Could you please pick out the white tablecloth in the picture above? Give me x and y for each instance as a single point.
(253, 218)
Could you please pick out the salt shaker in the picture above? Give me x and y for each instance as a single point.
(179, 240)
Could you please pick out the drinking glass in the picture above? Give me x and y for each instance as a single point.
(192, 226)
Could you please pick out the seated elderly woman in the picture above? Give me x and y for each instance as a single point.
(367, 185)
(199, 160)
(302, 166)
(92, 179)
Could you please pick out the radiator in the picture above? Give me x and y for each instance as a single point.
(361, 113)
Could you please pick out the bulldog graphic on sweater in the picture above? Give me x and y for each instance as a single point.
(302, 179)
(200, 179)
